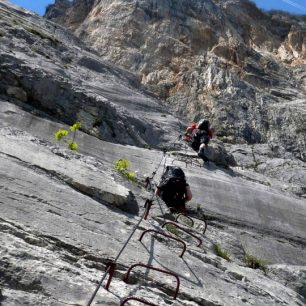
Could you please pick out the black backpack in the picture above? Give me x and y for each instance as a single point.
(173, 186)
(201, 136)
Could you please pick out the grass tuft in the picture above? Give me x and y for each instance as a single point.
(221, 252)
(254, 262)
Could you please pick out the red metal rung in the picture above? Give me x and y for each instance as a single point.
(136, 299)
(184, 230)
(203, 220)
(126, 276)
(168, 236)
(111, 266)
(181, 214)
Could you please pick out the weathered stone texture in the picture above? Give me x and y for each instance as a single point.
(56, 236)
(226, 60)
(65, 214)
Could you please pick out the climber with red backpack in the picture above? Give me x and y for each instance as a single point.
(201, 138)
(174, 190)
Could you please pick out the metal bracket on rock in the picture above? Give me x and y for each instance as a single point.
(165, 235)
(110, 268)
(126, 276)
(189, 218)
(136, 299)
(184, 230)
(203, 220)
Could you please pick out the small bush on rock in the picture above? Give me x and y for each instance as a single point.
(122, 166)
(62, 134)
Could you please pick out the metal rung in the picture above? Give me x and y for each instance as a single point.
(136, 299)
(184, 230)
(189, 218)
(110, 266)
(126, 276)
(203, 220)
(168, 236)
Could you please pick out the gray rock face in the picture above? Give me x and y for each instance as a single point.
(65, 214)
(47, 70)
(59, 227)
(273, 165)
(216, 153)
(62, 10)
(223, 59)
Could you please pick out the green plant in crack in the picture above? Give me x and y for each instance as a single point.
(254, 262)
(219, 251)
(41, 34)
(61, 135)
(122, 166)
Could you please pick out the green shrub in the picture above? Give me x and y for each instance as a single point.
(76, 126)
(254, 262)
(122, 166)
(146, 146)
(221, 252)
(73, 146)
(62, 134)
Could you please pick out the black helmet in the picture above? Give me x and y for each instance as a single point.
(203, 124)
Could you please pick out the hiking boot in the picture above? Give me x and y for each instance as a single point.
(206, 163)
(169, 216)
(202, 155)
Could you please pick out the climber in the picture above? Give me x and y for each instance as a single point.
(201, 138)
(174, 190)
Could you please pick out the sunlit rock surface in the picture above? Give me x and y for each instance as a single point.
(228, 60)
(65, 214)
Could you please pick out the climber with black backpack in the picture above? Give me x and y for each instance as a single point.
(174, 190)
(201, 138)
